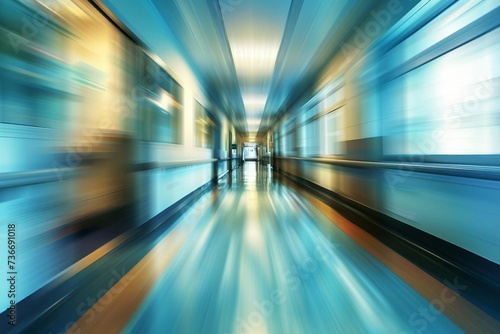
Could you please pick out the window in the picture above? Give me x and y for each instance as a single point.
(448, 106)
(161, 111)
(204, 127)
(321, 127)
(332, 132)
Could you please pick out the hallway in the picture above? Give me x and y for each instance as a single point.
(249, 166)
(259, 258)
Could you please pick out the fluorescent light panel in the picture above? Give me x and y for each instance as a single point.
(254, 30)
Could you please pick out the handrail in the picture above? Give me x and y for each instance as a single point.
(228, 159)
(469, 171)
(170, 164)
(26, 178)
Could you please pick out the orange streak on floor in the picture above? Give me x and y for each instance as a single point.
(465, 314)
(113, 310)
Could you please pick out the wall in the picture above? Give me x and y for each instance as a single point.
(401, 121)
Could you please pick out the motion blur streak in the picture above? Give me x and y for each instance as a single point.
(277, 273)
(162, 163)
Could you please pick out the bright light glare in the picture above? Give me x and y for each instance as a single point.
(254, 108)
(253, 60)
(254, 49)
(254, 102)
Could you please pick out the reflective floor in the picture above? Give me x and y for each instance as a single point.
(261, 259)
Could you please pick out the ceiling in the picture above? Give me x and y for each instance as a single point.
(256, 57)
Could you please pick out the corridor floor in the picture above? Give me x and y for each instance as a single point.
(257, 257)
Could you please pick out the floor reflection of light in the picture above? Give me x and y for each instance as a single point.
(250, 175)
(259, 241)
(253, 231)
(254, 237)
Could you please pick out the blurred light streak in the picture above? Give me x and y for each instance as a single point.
(274, 275)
